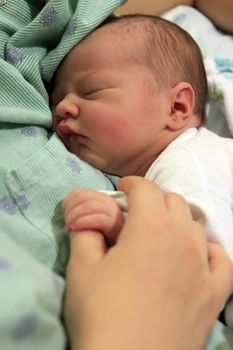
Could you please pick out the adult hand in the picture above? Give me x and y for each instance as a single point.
(160, 287)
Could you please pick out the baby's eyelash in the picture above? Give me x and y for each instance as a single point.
(96, 90)
(91, 91)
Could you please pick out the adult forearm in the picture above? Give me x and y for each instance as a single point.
(154, 7)
(219, 11)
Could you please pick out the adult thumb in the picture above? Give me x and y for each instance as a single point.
(86, 247)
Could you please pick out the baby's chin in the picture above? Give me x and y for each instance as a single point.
(95, 161)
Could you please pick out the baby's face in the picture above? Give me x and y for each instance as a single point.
(106, 107)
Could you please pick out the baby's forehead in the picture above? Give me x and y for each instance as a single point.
(115, 42)
(120, 30)
(126, 40)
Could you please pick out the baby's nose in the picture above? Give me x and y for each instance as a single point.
(66, 109)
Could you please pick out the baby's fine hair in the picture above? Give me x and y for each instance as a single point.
(171, 53)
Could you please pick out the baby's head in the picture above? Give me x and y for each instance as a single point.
(168, 50)
(126, 91)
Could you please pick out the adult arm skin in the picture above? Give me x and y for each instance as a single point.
(155, 7)
(220, 12)
(160, 287)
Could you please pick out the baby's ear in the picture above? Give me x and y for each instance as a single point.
(182, 105)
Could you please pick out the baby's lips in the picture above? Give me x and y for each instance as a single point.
(64, 130)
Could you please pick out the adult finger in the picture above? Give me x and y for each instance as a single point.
(178, 207)
(184, 224)
(221, 268)
(86, 247)
(147, 211)
(142, 194)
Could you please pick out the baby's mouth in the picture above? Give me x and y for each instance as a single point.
(65, 132)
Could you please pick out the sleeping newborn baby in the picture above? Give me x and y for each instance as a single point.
(130, 100)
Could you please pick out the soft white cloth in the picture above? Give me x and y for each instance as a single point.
(199, 166)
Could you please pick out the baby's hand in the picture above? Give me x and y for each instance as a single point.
(91, 210)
